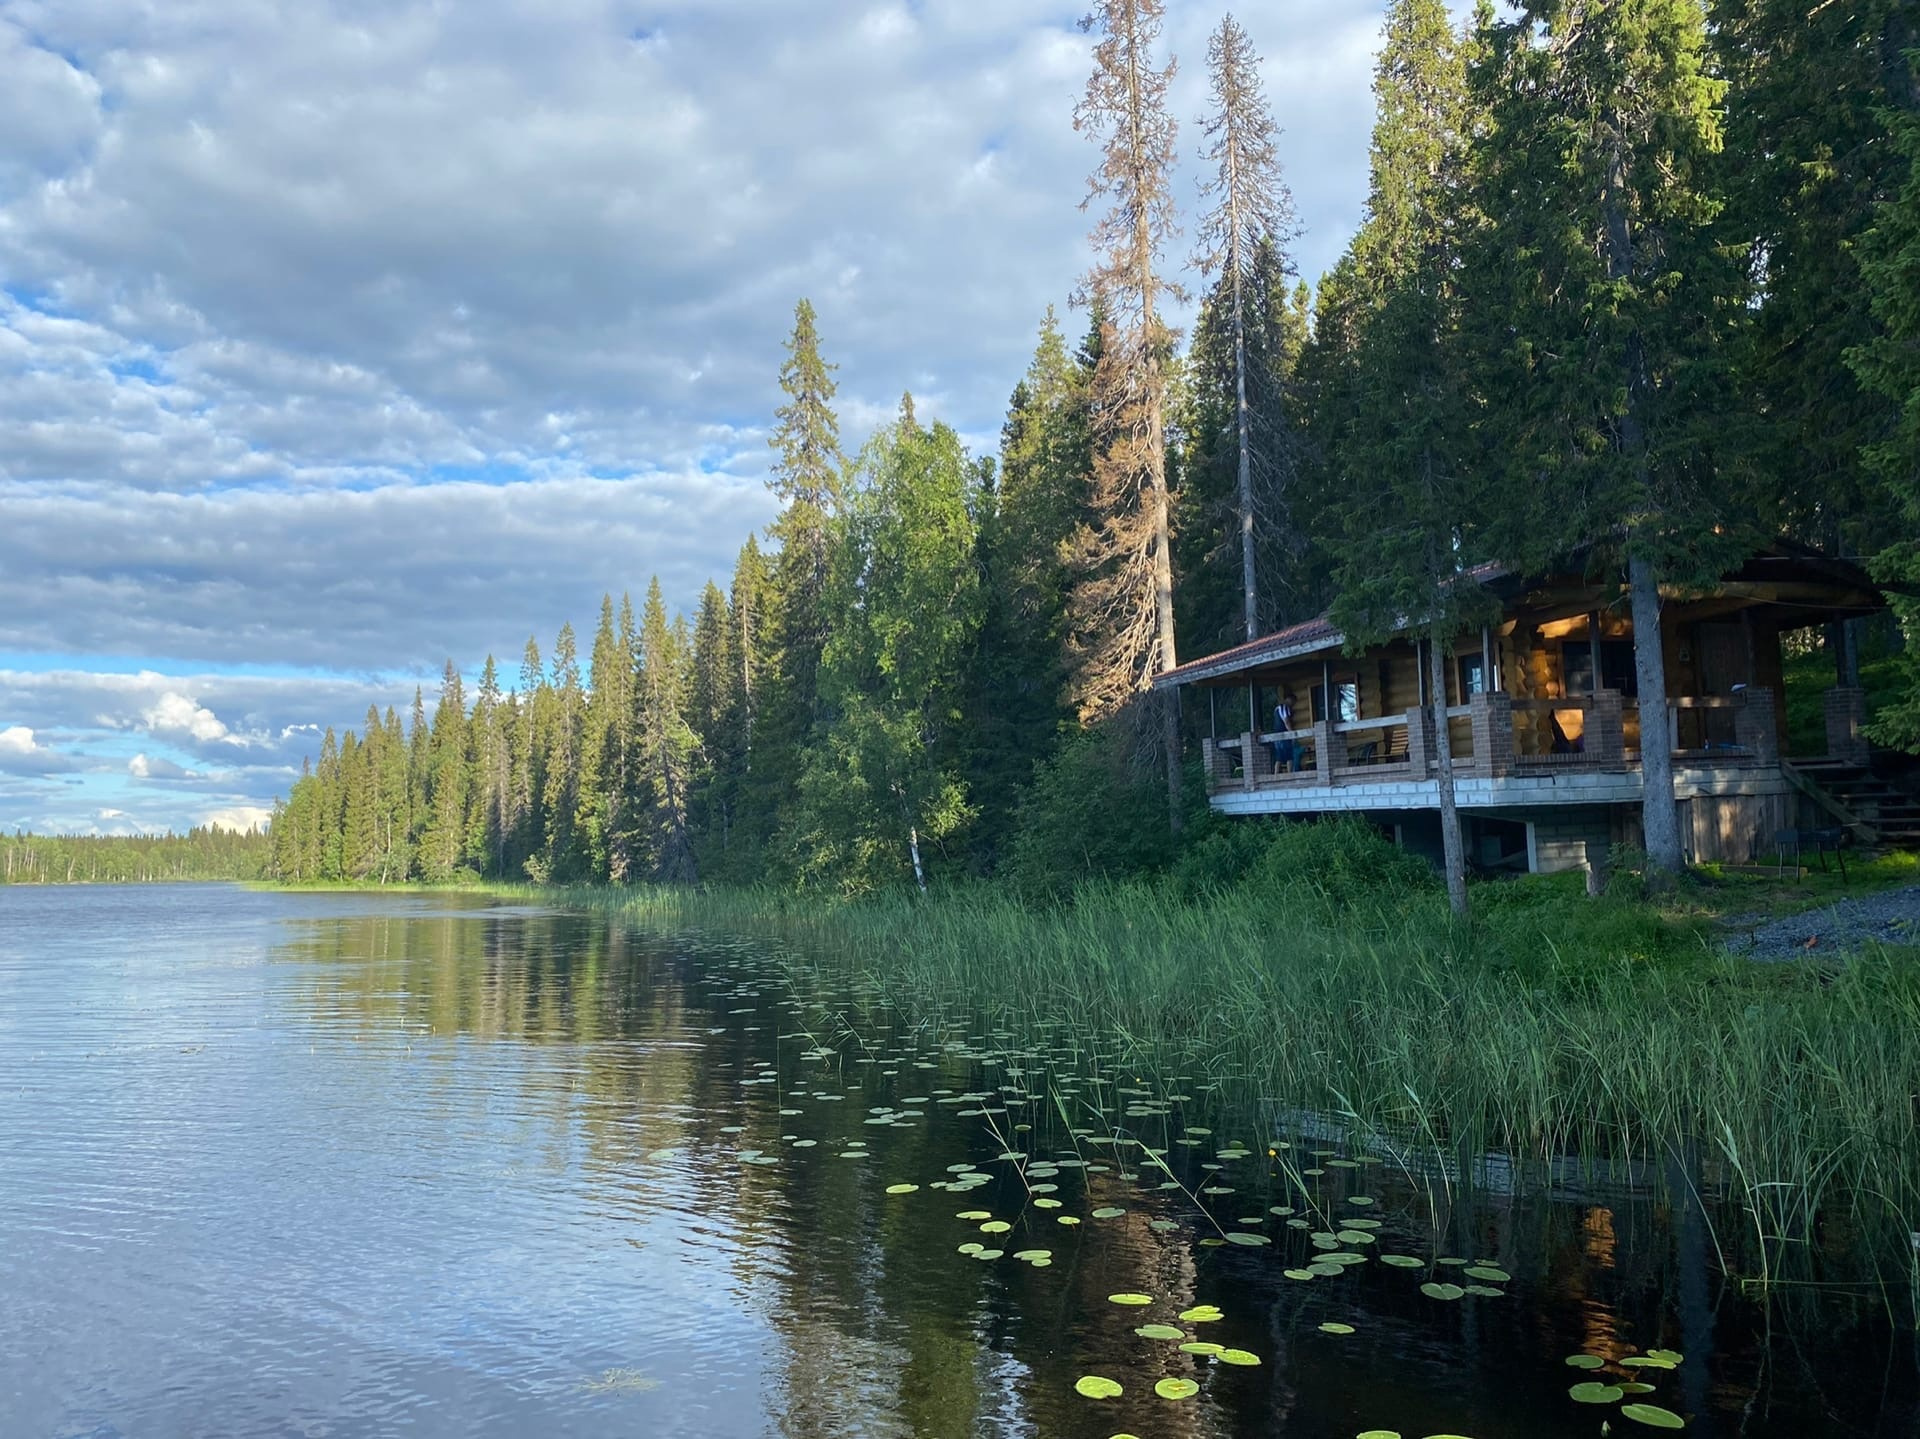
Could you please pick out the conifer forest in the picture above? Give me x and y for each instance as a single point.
(1637, 280)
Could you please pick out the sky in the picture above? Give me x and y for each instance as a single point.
(342, 337)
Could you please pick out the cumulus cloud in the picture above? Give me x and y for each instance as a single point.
(342, 337)
(238, 817)
(176, 714)
(22, 753)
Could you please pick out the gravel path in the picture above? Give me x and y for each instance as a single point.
(1892, 917)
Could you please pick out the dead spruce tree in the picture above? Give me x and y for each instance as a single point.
(1122, 610)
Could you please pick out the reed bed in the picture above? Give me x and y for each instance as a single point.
(1580, 1028)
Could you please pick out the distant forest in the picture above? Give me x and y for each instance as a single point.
(1637, 280)
(207, 853)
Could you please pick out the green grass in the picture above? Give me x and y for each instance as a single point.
(1316, 967)
(1552, 1025)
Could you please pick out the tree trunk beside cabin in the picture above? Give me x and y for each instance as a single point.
(1452, 847)
(1660, 815)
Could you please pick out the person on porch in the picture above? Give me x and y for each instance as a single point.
(1285, 751)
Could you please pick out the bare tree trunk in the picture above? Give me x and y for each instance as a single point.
(1244, 427)
(1452, 848)
(1660, 816)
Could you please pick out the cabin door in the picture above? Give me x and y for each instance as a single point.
(1724, 663)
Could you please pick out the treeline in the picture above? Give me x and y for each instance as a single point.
(206, 853)
(1637, 282)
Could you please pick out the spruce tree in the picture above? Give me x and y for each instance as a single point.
(1411, 494)
(1889, 365)
(561, 728)
(1810, 155)
(806, 475)
(1250, 223)
(665, 747)
(1607, 297)
(444, 843)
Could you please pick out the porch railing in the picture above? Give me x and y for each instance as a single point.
(1492, 735)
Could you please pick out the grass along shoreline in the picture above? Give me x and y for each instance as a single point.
(1794, 1090)
(1326, 975)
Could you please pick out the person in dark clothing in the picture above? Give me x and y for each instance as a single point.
(1286, 752)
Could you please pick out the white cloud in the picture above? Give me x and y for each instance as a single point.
(177, 714)
(22, 753)
(240, 817)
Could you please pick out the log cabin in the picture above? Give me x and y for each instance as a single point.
(1545, 724)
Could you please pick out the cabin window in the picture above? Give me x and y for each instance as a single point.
(1616, 668)
(1473, 675)
(1346, 693)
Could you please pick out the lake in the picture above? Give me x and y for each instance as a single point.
(363, 1165)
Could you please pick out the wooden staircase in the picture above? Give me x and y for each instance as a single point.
(1876, 810)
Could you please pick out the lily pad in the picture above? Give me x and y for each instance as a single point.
(1486, 1291)
(1593, 1393)
(1331, 1327)
(1442, 1291)
(1095, 1386)
(1108, 1213)
(995, 1226)
(1160, 1331)
(1068, 1218)
(1378, 1434)
(1176, 1389)
(1301, 1274)
(1238, 1356)
(1672, 1357)
(1200, 1346)
(1403, 1261)
(1201, 1314)
(1250, 1241)
(1653, 1416)
(901, 1188)
(1133, 1299)
(1585, 1361)
(973, 1214)
(1029, 1255)
(1490, 1274)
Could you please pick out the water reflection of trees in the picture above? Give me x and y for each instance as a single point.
(629, 1054)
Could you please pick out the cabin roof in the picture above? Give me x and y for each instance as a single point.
(1821, 584)
(1308, 637)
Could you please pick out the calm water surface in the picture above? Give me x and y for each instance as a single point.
(365, 1166)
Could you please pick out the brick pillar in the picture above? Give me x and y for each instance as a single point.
(1420, 742)
(1606, 736)
(1251, 753)
(1846, 708)
(1492, 718)
(1753, 725)
(1323, 751)
(1215, 761)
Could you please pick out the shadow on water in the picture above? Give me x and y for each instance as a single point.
(460, 1169)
